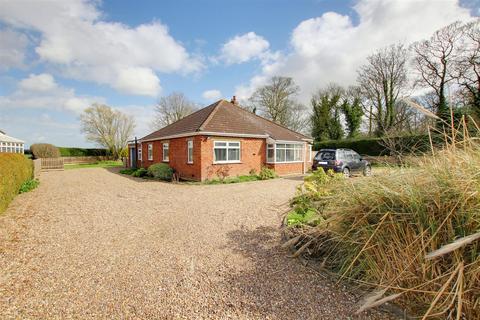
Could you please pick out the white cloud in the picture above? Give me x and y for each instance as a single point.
(243, 48)
(12, 49)
(42, 92)
(331, 48)
(40, 82)
(138, 80)
(74, 39)
(211, 95)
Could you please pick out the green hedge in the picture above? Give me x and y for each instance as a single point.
(15, 169)
(82, 152)
(373, 146)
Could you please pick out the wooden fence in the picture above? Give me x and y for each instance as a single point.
(84, 160)
(51, 164)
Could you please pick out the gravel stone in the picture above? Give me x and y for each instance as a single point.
(93, 244)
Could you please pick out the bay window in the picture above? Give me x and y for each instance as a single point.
(284, 152)
(226, 151)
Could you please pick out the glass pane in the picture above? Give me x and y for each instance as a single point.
(325, 155)
(290, 146)
(220, 154)
(270, 155)
(234, 154)
(234, 144)
(270, 146)
(220, 144)
(280, 155)
(298, 155)
(289, 155)
(280, 145)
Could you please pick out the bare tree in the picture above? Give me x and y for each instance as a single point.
(299, 119)
(434, 59)
(276, 100)
(107, 127)
(172, 108)
(467, 66)
(382, 81)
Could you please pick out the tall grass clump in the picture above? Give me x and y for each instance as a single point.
(412, 237)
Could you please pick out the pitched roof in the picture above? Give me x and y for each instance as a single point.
(5, 138)
(223, 117)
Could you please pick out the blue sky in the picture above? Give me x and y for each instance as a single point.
(56, 58)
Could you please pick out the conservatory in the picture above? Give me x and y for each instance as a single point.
(10, 144)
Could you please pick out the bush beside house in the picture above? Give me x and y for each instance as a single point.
(16, 169)
(161, 171)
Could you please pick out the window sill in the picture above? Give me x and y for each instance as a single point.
(190, 162)
(285, 162)
(165, 160)
(227, 162)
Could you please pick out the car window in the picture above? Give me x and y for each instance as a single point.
(325, 155)
(348, 155)
(356, 156)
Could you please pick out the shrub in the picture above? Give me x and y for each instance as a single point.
(142, 172)
(161, 171)
(129, 171)
(44, 150)
(82, 152)
(15, 170)
(29, 185)
(267, 173)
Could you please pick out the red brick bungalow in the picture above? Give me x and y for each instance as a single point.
(224, 137)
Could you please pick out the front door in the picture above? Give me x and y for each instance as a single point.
(132, 154)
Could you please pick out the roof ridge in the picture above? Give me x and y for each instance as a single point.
(210, 116)
(171, 124)
(273, 122)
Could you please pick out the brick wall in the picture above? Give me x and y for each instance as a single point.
(287, 168)
(252, 156)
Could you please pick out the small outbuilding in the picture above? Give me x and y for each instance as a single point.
(11, 144)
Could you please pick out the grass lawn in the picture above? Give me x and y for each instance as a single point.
(100, 164)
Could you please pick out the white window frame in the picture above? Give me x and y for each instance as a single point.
(150, 152)
(139, 155)
(227, 147)
(299, 146)
(167, 158)
(190, 148)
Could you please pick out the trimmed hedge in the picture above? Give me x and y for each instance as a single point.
(82, 152)
(44, 150)
(15, 169)
(373, 146)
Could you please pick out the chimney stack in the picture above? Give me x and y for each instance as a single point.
(234, 100)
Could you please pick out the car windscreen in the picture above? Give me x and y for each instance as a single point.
(325, 155)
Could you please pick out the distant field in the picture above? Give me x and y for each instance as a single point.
(100, 164)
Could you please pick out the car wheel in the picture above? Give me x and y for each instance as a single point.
(346, 172)
(367, 171)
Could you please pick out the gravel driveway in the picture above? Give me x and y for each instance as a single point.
(91, 243)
